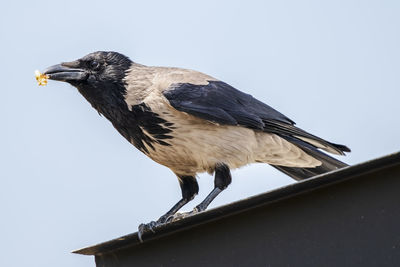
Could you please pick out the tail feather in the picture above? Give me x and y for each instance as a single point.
(290, 131)
(328, 163)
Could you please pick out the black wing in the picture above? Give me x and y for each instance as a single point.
(221, 103)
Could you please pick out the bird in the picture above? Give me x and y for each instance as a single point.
(193, 123)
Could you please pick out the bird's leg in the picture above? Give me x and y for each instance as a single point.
(189, 188)
(221, 181)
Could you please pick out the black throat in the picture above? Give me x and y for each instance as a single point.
(107, 98)
(138, 124)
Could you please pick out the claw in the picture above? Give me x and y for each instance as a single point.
(152, 226)
(180, 215)
(146, 227)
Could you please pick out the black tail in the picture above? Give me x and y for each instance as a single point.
(328, 163)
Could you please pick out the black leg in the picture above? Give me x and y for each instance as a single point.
(189, 188)
(222, 179)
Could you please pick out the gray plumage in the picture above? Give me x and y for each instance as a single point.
(217, 123)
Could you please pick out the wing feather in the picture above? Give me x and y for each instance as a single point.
(221, 103)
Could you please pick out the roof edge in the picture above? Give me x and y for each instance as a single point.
(253, 202)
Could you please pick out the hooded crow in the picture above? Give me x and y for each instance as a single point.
(192, 123)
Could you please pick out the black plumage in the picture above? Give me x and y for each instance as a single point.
(142, 126)
(221, 103)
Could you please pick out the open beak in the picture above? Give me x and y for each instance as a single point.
(67, 71)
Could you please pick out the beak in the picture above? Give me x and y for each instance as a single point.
(67, 71)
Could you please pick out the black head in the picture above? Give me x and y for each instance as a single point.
(99, 77)
(97, 67)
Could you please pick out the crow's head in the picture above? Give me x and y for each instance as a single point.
(99, 77)
(92, 69)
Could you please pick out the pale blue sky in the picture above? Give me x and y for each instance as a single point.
(70, 180)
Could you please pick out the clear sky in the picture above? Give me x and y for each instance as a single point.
(69, 180)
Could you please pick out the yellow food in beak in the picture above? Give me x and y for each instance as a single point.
(41, 78)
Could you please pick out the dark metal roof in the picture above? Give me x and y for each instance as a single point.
(252, 203)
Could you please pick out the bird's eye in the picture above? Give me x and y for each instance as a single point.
(94, 65)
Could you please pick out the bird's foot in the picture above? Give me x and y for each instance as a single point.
(181, 215)
(153, 225)
(148, 227)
